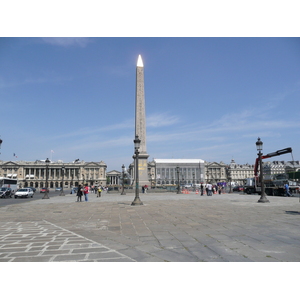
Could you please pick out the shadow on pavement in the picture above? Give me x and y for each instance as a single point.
(293, 212)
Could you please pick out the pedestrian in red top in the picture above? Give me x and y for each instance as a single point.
(85, 192)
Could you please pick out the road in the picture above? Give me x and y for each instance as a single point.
(37, 196)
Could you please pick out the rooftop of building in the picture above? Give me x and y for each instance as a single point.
(178, 161)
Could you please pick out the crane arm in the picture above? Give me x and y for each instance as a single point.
(276, 153)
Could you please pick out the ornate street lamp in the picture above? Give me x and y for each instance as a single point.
(62, 187)
(178, 183)
(46, 196)
(72, 176)
(137, 200)
(123, 173)
(194, 188)
(259, 147)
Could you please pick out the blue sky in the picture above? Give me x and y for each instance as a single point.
(207, 98)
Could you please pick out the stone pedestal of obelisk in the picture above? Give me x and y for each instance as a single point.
(140, 123)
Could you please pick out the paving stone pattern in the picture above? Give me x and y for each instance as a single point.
(42, 241)
(167, 228)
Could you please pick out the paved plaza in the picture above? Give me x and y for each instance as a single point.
(167, 228)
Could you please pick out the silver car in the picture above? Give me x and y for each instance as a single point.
(24, 193)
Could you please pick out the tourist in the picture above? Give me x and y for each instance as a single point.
(209, 189)
(86, 192)
(99, 191)
(79, 194)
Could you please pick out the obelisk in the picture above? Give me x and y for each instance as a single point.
(140, 122)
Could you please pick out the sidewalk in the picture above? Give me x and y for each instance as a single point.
(168, 227)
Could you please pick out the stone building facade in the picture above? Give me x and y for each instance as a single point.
(278, 167)
(237, 173)
(215, 172)
(163, 172)
(113, 177)
(34, 173)
(191, 171)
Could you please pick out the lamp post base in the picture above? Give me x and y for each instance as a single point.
(137, 201)
(62, 194)
(263, 199)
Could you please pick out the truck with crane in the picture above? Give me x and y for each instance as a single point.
(274, 184)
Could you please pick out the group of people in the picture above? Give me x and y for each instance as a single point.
(210, 189)
(84, 191)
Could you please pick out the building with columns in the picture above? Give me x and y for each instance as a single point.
(215, 172)
(163, 172)
(113, 177)
(34, 173)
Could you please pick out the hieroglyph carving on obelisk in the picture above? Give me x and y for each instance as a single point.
(140, 117)
(140, 122)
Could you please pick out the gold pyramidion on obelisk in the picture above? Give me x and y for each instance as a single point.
(140, 122)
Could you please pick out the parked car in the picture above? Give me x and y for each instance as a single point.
(24, 193)
(58, 189)
(238, 188)
(44, 190)
(5, 192)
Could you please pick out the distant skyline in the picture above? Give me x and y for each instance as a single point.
(206, 98)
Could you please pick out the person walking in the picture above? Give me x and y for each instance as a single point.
(86, 192)
(99, 191)
(79, 194)
(209, 189)
(219, 189)
(201, 188)
(287, 190)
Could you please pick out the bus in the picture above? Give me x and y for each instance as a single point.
(9, 182)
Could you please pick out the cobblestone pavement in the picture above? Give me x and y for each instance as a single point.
(39, 241)
(168, 227)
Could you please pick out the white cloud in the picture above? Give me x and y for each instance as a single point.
(30, 80)
(153, 121)
(161, 119)
(230, 126)
(67, 41)
(91, 131)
